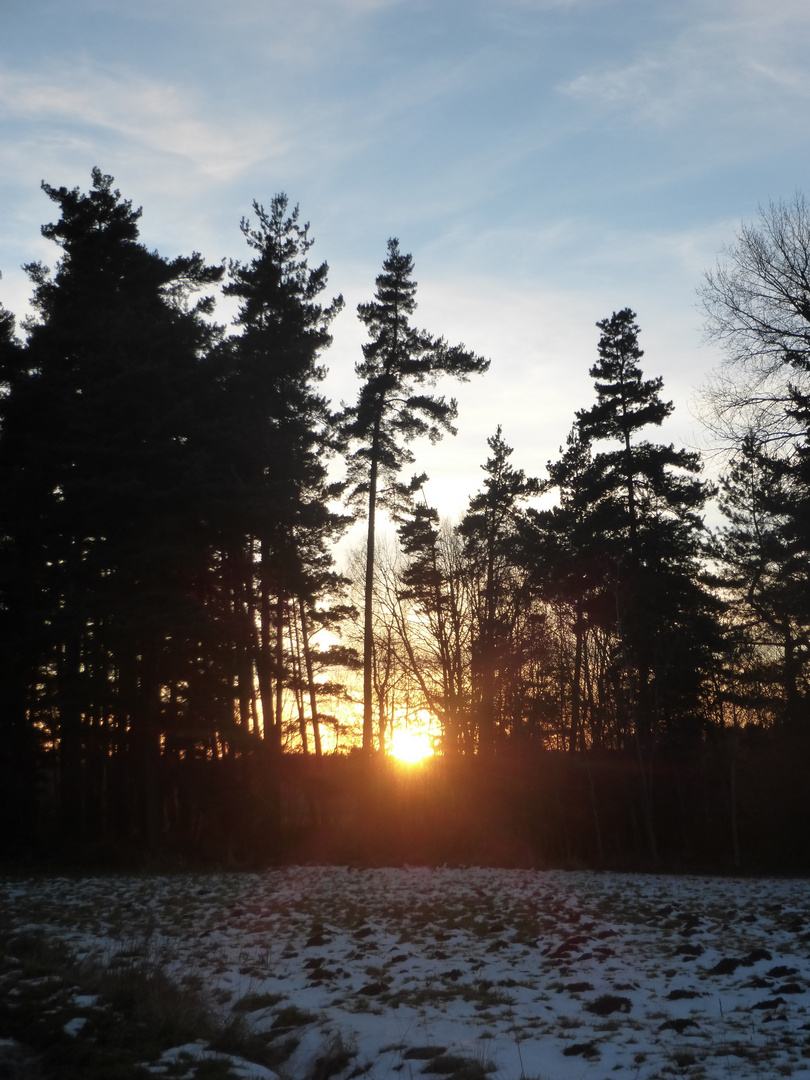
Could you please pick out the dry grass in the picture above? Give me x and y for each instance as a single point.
(106, 1018)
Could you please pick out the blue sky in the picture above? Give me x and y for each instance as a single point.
(546, 162)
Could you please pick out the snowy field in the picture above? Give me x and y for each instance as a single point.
(457, 972)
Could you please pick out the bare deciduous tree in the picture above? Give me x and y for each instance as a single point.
(757, 307)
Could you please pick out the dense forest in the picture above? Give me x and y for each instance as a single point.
(185, 672)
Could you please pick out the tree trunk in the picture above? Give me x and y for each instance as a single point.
(368, 614)
(313, 696)
(263, 656)
(486, 743)
(298, 676)
(576, 690)
(279, 738)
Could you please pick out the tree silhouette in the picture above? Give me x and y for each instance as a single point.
(763, 572)
(281, 436)
(647, 500)
(392, 410)
(20, 607)
(490, 532)
(757, 306)
(108, 498)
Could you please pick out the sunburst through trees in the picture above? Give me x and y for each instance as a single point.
(592, 675)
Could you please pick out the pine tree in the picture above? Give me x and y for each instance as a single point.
(113, 489)
(490, 531)
(647, 500)
(392, 410)
(20, 747)
(282, 434)
(764, 574)
(563, 548)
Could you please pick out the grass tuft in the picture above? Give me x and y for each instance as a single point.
(254, 1002)
(423, 1053)
(337, 1055)
(111, 1017)
(606, 1004)
(292, 1017)
(457, 1067)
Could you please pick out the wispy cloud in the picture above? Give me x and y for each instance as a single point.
(155, 115)
(734, 55)
(294, 34)
(546, 5)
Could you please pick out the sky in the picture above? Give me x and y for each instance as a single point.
(546, 162)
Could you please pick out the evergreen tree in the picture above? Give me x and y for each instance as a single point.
(19, 604)
(392, 410)
(568, 565)
(647, 500)
(764, 575)
(757, 303)
(490, 531)
(10, 352)
(108, 500)
(281, 437)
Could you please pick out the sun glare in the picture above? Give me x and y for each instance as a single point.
(411, 746)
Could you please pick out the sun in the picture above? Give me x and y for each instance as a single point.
(411, 746)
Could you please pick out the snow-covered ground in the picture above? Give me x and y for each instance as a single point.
(414, 971)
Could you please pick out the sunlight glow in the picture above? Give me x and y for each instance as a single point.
(411, 745)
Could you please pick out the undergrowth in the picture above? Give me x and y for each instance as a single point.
(107, 1018)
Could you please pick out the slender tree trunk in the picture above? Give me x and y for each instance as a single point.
(298, 676)
(442, 635)
(278, 741)
(265, 681)
(242, 666)
(263, 655)
(368, 614)
(487, 720)
(251, 615)
(313, 696)
(576, 690)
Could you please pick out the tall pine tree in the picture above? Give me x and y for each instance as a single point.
(647, 500)
(108, 497)
(282, 435)
(392, 410)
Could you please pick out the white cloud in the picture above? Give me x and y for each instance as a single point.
(797, 81)
(734, 58)
(155, 116)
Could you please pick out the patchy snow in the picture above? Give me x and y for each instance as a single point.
(74, 1026)
(198, 1051)
(542, 974)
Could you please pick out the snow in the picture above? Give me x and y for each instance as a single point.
(198, 1051)
(544, 974)
(74, 1026)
